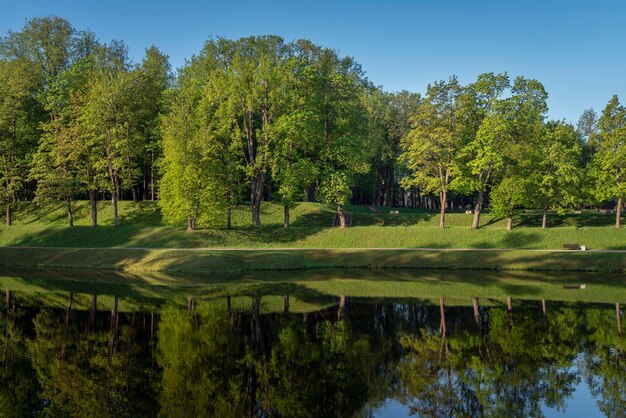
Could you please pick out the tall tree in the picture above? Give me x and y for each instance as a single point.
(486, 133)
(431, 148)
(523, 114)
(18, 135)
(557, 179)
(609, 162)
(153, 78)
(340, 126)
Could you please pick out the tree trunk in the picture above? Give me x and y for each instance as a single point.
(509, 308)
(256, 195)
(286, 215)
(442, 317)
(286, 304)
(509, 222)
(9, 214)
(93, 198)
(341, 311)
(229, 224)
(114, 197)
(543, 307)
(442, 210)
(152, 177)
(8, 299)
(70, 215)
(92, 313)
(134, 192)
(476, 308)
(191, 224)
(342, 216)
(618, 318)
(618, 213)
(478, 208)
(544, 219)
(114, 315)
(68, 310)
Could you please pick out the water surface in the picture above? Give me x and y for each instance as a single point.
(76, 344)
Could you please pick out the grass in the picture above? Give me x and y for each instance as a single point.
(141, 227)
(221, 261)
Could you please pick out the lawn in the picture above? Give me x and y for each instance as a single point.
(141, 227)
(141, 230)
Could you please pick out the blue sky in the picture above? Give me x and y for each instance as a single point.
(576, 48)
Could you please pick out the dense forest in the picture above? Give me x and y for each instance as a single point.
(258, 119)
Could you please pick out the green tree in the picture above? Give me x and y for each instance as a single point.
(18, 134)
(431, 148)
(487, 136)
(557, 179)
(522, 122)
(609, 161)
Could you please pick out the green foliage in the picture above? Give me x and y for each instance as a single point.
(609, 161)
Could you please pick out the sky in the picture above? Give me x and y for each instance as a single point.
(577, 49)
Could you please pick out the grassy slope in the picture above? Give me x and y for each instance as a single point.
(212, 261)
(141, 227)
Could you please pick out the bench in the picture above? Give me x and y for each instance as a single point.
(576, 247)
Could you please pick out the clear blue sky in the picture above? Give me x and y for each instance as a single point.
(576, 48)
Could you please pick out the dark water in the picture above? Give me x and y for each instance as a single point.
(77, 356)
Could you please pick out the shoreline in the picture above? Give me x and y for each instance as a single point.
(214, 260)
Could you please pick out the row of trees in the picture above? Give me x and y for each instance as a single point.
(257, 118)
(76, 117)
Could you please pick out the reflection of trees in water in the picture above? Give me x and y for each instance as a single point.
(207, 359)
(604, 367)
(80, 366)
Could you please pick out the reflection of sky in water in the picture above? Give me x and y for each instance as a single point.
(580, 405)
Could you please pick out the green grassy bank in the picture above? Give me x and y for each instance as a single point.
(216, 261)
(141, 226)
(142, 230)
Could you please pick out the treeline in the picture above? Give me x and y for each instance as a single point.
(259, 119)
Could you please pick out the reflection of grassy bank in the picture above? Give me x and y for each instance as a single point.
(213, 261)
(308, 290)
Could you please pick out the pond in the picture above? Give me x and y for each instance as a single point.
(319, 344)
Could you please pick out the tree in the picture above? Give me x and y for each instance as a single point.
(184, 187)
(431, 148)
(609, 162)
(522, 121)
(48, 43)
(58, 165)
(201, 143)
(293, 160)
(487, 136)
(556, 179)
(18, 134)
(340, 122)
(152, 79)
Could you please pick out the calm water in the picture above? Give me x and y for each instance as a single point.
(69, 353)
